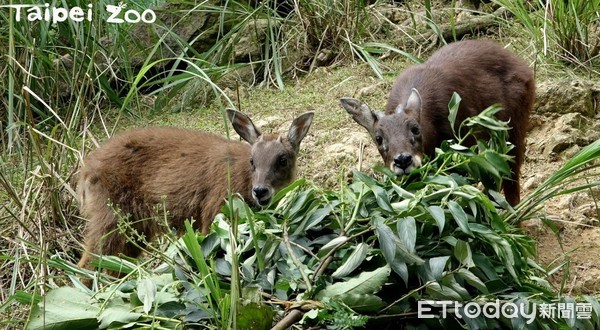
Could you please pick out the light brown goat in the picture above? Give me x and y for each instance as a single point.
(185, 169)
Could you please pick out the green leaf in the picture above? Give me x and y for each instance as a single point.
(388, 48)
(438, 291)
(472, 280)
(382, 198)
(299, 202)
(363, 303)
(402, 192)
(392, 247)
(116, 313)
(437, 265)
(458, 147)
(170, 309)
(401, 269)
(453, 106)
(312, 219)
(387, 242)
(499, 162)
(287, 189)
(450, 282)
(462, 252)
(500, 199)
(146, 291)
(407, 230)
(365, 283)
(438, 215)
(460, 216)
(359, 176)
(354, 260)
(486, 166)
(485, 265)
(332, 244)
(115, 263)
(64, 308)
(595, 306)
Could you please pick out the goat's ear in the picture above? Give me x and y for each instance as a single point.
(414, 102)
(299, 129)
(243, 126)
(361, 113)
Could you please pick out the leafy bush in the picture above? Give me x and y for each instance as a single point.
(364, 255)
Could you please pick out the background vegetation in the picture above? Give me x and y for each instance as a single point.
(69, 85)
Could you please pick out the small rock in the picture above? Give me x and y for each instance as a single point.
(558, 143)
(267, 122)
(533, 182)
(325, 57)
(369, 90)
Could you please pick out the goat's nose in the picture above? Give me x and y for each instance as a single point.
(260, 192)
(403, 160)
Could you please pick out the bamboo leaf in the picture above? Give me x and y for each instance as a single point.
(453, 106)
(365, 303)
(146, 291)
(438, 291)
(407, 230)
(365, 283)
(460, 216)
(472, 280)
(382, 199)
(354, 260)
(437, 265)
(438, 215)
(462, 252)
(387, 242)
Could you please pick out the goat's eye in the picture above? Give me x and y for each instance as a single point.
(282, 161)
(252, 164)
(415, 130)
(379, 140)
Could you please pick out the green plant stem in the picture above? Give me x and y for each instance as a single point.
(355, 211)
(298, 264)
(252, 226)
(11, 79)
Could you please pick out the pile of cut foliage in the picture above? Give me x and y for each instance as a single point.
(365, 255)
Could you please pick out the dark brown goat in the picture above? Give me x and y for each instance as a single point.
(416, 117)
(187, 170)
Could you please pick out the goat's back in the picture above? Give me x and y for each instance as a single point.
(482, 73)
(136, 170)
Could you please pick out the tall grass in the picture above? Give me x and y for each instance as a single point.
(577, 174)
(564, 31)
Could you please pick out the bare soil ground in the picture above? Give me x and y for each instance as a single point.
(576, 215)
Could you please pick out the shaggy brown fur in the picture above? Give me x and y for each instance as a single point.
(416, 118)
(187, 170)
